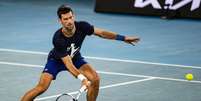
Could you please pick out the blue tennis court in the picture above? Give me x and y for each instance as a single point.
(120, 79)
(153, 70)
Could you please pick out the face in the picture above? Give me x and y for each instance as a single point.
(67, 20)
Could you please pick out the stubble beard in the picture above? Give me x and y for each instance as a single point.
(69, 31)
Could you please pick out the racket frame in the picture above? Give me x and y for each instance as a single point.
(81, 90)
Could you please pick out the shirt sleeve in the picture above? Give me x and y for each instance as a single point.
(87, 28)
(60, 48)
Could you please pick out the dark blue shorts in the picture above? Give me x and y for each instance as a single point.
(53, 66)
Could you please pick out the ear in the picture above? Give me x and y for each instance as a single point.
(59, 20)
(74, 16)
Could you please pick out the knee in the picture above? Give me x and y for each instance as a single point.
(41, 88)
(95, 80)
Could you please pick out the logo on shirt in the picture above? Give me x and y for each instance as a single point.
(73, 49)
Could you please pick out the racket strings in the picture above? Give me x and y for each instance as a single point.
(65, 97)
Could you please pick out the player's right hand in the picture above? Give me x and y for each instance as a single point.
(86, 83)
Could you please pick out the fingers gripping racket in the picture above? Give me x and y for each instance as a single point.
(69, 97)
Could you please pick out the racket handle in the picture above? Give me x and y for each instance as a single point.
(132, 44)
(83, 88)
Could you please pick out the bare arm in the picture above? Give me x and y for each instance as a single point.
(74, 71)
(105, 34)
(113, 36)
(69, 65)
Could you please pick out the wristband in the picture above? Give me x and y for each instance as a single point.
(81, 77)
(120, 37)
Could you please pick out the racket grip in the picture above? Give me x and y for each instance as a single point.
(83, 88)
(132, 44)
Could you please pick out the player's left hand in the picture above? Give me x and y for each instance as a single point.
(131, 40)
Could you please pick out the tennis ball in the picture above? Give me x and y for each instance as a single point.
(189, 76)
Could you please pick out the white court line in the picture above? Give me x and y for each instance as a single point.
(20, 64)
(52, 96)
(104, 72)
(144, 76)
(105, 59)
(103, 87)
(23, 51)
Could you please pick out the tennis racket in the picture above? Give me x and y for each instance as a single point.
(132, 44)
(69, 97)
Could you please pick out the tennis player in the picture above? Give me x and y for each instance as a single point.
(65, 55)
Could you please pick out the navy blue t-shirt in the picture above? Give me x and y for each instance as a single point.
(71, 46)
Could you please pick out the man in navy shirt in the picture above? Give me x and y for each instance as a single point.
(66, 55)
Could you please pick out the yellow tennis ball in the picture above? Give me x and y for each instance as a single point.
(189, 76)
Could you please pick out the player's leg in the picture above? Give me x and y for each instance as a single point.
(91, 74)
(41, 87)
(49, 73)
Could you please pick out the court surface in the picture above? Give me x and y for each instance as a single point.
(120, 79)
(151, 71)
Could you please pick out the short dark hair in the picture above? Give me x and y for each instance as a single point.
(63, 9)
